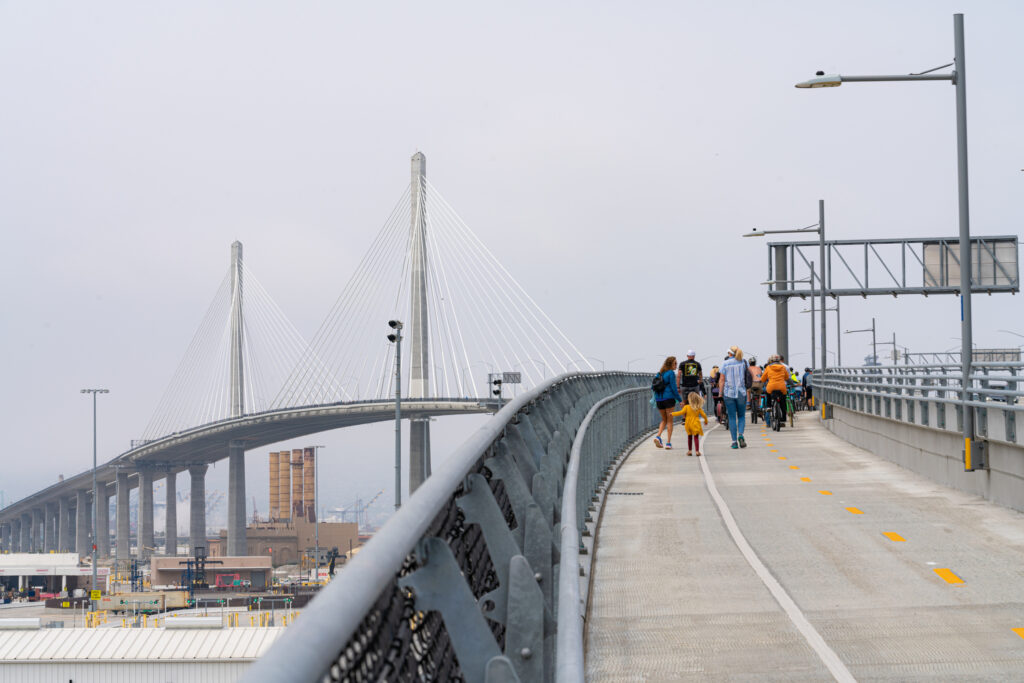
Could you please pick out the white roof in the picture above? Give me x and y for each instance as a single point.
(38, 560)
(135, 644)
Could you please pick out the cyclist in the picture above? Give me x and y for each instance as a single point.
(775, 379)
(755, 388)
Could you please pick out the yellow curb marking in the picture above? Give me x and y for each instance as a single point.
(948, 576)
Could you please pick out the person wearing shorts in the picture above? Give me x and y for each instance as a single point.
(665, 401)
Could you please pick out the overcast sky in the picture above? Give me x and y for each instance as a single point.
(611, 154)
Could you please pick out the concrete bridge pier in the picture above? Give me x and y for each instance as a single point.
(103, 523)
(83, 517)
(49, 527)
(64, 524)
(171, 514)
(236, 499)
(197, 507)
(146, 541)
(25, 545)
(16, 535)
(419, 452)
(123, 521)
(38, 524)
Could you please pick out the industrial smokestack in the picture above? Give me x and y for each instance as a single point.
(308, 483)
(284, 482)
(297, 505)
(275, 493)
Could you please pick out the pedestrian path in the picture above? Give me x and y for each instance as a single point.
(887, 573)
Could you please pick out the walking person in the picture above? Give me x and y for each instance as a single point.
(666, 395)
(732, 385)
(691, 375)
(692, 414)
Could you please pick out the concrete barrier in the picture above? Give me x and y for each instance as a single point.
(936, 454)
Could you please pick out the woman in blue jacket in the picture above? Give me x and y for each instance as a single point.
(665, 399)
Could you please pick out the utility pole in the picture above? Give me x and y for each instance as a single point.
(396, 339)
(95, 490)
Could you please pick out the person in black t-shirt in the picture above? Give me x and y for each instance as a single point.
(691, 377)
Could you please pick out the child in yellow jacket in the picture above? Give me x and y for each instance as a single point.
(692, 414)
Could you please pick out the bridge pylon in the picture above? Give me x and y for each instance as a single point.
(419, 347)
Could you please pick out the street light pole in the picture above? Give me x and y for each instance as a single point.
(95, 491)
(958, 77)
(396, 338)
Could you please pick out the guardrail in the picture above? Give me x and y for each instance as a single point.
(460, 583)
(931, 395)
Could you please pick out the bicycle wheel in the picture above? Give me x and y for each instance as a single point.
(778, 416)
(790, 409)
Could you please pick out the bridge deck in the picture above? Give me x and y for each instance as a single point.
(674, 598)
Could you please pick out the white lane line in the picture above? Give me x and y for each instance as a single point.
(828, 657)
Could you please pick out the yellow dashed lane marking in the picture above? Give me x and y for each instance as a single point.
(781, 457)
(855, 511)
(805, 478)
(1019, 632)
(774, 450)
(793, 467)
(948, 576)
(825, 493)
(893, 536)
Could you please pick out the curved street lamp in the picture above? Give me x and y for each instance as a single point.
(957, 77)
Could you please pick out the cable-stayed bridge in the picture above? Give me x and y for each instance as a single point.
(249, 379)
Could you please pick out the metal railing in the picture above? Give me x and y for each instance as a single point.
(931, 395)
(460, 583)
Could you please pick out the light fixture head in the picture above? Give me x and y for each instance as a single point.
(395, 324)
(392, 338)
(822, 80)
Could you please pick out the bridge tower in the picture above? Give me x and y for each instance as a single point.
(419, 348)
(236, 449)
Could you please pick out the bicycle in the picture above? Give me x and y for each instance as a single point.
(791, 405)
(756, 404)
(778, 414)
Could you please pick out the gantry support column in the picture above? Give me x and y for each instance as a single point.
(171, 514)
(16, 536)
(236, 500)
(146, 541)
(64, 542)
(782, 305)
(123, 521)
(83, 517)
(419, 348)
(49, 527)
(103, 523)
(197, 507)
(5, 537)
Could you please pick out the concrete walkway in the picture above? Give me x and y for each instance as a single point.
(897, 577)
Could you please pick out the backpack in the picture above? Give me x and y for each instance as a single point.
(748, 378)
(658, 384)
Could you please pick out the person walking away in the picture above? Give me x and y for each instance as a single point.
(691, 375)
(666, 395)
(692, 415)
(732, 385)
(807, 380)
(716, 395)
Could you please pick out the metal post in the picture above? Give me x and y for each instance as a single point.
(95, 487)
(839, 337)
(813, 347)
(396, 337)
(821, 281)
(781, 304)
(874, 345)
(966, 335)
